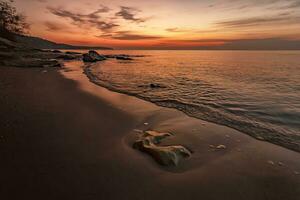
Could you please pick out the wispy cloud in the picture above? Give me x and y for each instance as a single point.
(293, 4)
(259, 21)
(255, 4)
(177, 30)
(92, 19)
(129, 13)
(128, 35)
(52, 26)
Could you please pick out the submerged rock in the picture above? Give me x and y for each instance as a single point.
(156, 85)
(72, 53)
(119, 56)
(123, 58)
(164, 155)
(92, 56)
(152, 86)
(67, 57)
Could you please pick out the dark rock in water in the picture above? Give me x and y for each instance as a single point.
(123, 57)
(92, 56)
(164, 155)
(56, 51)
(156, 85)
(72, 53)
(153, 85)
(67, 57)
(110, 56)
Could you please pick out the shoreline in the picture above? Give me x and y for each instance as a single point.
(86, 132)
(148, 104)
(288, 143)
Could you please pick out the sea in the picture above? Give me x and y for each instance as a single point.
(255, 92)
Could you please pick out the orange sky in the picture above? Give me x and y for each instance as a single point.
(161, 23)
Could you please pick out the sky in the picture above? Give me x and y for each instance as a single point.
(164, 24)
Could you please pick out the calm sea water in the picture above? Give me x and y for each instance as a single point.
(256, 92)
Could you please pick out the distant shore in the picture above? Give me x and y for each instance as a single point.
(63, 137)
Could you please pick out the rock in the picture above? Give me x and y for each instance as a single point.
(67, 57)
(221, 146)
(118, 57)
(164, 155)
(93, 56)
(50, 63)
(7, 43)
(260, 138)
(271, 162)
(153, 85)
(56, 51)
(32, 62)
(72, 53)
(110, 56)
(280, 163)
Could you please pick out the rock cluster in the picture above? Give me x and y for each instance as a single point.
(92, 56)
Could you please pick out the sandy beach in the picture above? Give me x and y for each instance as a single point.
(63, 137)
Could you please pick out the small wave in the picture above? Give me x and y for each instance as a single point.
(215, 113)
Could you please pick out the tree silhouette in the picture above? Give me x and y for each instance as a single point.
(11, 22)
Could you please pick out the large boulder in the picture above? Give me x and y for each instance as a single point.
(92, 56)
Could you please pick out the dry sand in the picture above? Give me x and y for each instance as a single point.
(62, 137)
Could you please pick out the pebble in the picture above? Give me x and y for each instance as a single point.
(221, 146)
(297, 173)
(44, 71)
(146, 123)
(260, 138)
(228, 136)
(271, 162)
(280, 163)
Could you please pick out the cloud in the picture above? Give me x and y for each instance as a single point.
(261, 4)
(129, 13)
(234, 44)
(293, 4)
(127, 35)
(176, 30)
(92, 19)
(52, 26)
(259, 21)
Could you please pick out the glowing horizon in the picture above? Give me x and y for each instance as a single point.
(159, 24)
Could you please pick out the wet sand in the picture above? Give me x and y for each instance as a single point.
(62, 137)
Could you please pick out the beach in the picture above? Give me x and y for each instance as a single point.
(63, 137)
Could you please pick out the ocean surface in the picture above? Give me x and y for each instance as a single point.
(255, 92)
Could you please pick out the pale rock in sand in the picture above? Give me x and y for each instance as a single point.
(164, 155)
